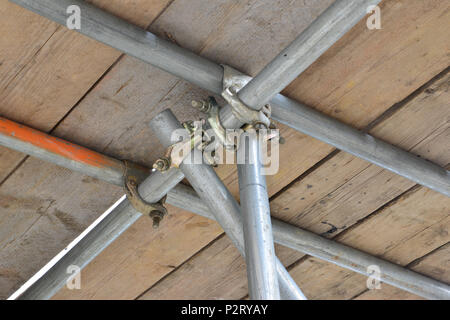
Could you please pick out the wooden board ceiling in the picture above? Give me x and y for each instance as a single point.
(392, 82)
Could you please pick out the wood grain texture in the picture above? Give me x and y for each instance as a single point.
(22, 36)
(370, 68)
(345, 188)
(217, 272)
(44, 70)
(419, 214)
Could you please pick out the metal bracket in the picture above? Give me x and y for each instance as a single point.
(234, 78)
(216, 125)
(177, 152)
(233, 82)
(156, 211)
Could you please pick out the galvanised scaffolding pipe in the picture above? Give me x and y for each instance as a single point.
(208, 75)
(289, 64)
(327, 29)
(320, 35)
(361, 145)
(259, 249)
(334, 252)
(132, 40)
(69, 155)
(217, 197)
(145, 46)
(43, 146)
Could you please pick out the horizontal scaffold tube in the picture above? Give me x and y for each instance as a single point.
(41, 145)
(185, 64)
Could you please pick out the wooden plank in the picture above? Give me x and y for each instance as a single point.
(420, 124)
(387, 292)
(385, 66)
(346, 189)
(23, 35)
(202, 276)
(35, 225)
(45, 69)
(351, 86)
(420, 214)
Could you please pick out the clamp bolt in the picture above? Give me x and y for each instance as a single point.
(156, 216)
(203, 106)
(161, 164)
(233, 89)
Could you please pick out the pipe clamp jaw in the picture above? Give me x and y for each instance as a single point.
(233, 82)
(176, 153)
(156, 211)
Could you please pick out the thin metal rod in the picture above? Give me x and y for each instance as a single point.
(43, 146)
(213, 192)
(259, 249)
(180, 62)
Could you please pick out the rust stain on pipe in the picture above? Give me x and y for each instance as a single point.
(57, 146)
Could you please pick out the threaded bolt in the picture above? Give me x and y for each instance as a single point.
(156, 221)
(233, 89)
(203, 106)
(161, 164)
(156, 216)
